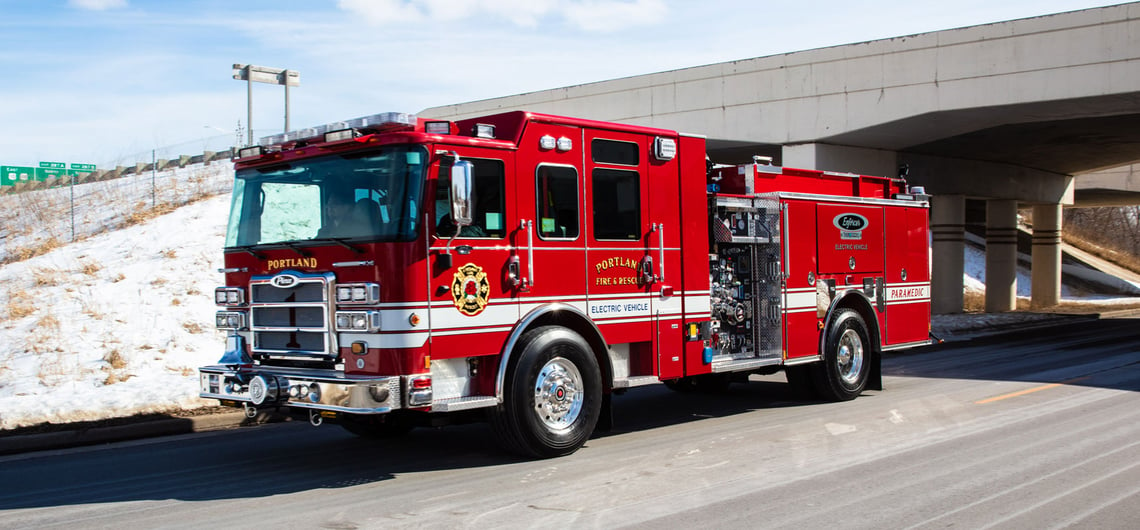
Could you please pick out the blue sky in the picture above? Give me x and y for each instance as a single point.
(106, 81)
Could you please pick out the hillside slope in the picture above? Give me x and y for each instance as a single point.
(114, 324)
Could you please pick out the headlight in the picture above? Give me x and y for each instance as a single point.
(358, 294)
(366, 321)
(229, 296)
(230, 320)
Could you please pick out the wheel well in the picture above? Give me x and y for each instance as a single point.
(860, 304)
(586, 330)
(565, 316)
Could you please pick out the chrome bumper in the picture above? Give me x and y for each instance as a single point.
(272, 386)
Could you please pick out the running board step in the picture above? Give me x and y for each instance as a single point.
(638, 380)
(743, 364)
(464, 403)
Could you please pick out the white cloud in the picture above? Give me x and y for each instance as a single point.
(589, 15)
(605, 15)
(97, 5)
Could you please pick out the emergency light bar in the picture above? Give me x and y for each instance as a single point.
(375, 121)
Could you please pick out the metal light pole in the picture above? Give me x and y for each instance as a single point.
(264, 74)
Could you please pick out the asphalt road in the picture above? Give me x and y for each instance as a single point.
(1037, 430)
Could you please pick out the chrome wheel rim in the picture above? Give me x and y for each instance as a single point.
(558, 394)
(849, 358)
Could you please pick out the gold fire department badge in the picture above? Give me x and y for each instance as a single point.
(470, 289)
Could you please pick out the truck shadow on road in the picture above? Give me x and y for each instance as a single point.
(287, 458)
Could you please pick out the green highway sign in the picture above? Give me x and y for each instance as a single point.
(53, 165)
(47, 173)
(10, 175)
(82, 167)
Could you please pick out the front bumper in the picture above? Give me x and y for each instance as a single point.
(272, 386)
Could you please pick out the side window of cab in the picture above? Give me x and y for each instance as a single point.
(490, 189)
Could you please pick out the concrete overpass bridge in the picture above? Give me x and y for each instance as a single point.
(1011, 113)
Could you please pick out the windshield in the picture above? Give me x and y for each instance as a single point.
(367, 196)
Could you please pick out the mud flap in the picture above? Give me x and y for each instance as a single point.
(875, 378)
(606, 415)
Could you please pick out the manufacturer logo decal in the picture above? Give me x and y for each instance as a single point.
(850, 225)
(283, 280)
(470, 289)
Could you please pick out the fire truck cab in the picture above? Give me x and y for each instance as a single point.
(390, 271)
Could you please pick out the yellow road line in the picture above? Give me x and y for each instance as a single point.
(1028, 391)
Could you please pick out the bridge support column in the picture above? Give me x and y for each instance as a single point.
(947, 229)
(1001, 255)
(1046, 273)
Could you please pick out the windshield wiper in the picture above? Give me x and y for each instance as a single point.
(248, 249)
(342, 242)
(291, 246)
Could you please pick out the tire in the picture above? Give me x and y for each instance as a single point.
(847, 358)
(553, 395)
(391, 425)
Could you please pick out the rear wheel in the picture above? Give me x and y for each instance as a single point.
(553, 395)
(846, 358)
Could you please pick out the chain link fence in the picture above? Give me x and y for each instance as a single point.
(39, 220)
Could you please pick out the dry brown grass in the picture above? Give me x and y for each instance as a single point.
(169, 253)
(1122, 259)
(115, 359)
(973, 301)
(143, 212)
(48, 322)
(90, 268)
(46, 277)
(158, 282)
(20, 304)
(192, 327)
(35, 249)
(51, 369)
(118, 278)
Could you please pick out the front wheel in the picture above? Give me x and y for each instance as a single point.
(553, 395)
(846, 358)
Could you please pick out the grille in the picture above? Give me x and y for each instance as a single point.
(291, 321)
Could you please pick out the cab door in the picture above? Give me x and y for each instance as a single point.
(549, 239)
(473, 304)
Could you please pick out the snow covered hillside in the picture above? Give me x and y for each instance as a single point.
(117, 323)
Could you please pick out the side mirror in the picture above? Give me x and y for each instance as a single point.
(462, 193)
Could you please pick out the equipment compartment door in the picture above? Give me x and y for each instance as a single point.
(908, 276)
(620, 264)
(850, 239)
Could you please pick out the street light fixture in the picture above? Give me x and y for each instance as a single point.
(264, 74)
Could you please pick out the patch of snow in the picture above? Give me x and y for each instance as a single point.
(115, 324)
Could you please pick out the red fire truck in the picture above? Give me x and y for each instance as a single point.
(390, 271)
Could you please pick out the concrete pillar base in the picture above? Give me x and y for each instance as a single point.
(948, 243)
(1001, 255)
(1046, 274)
